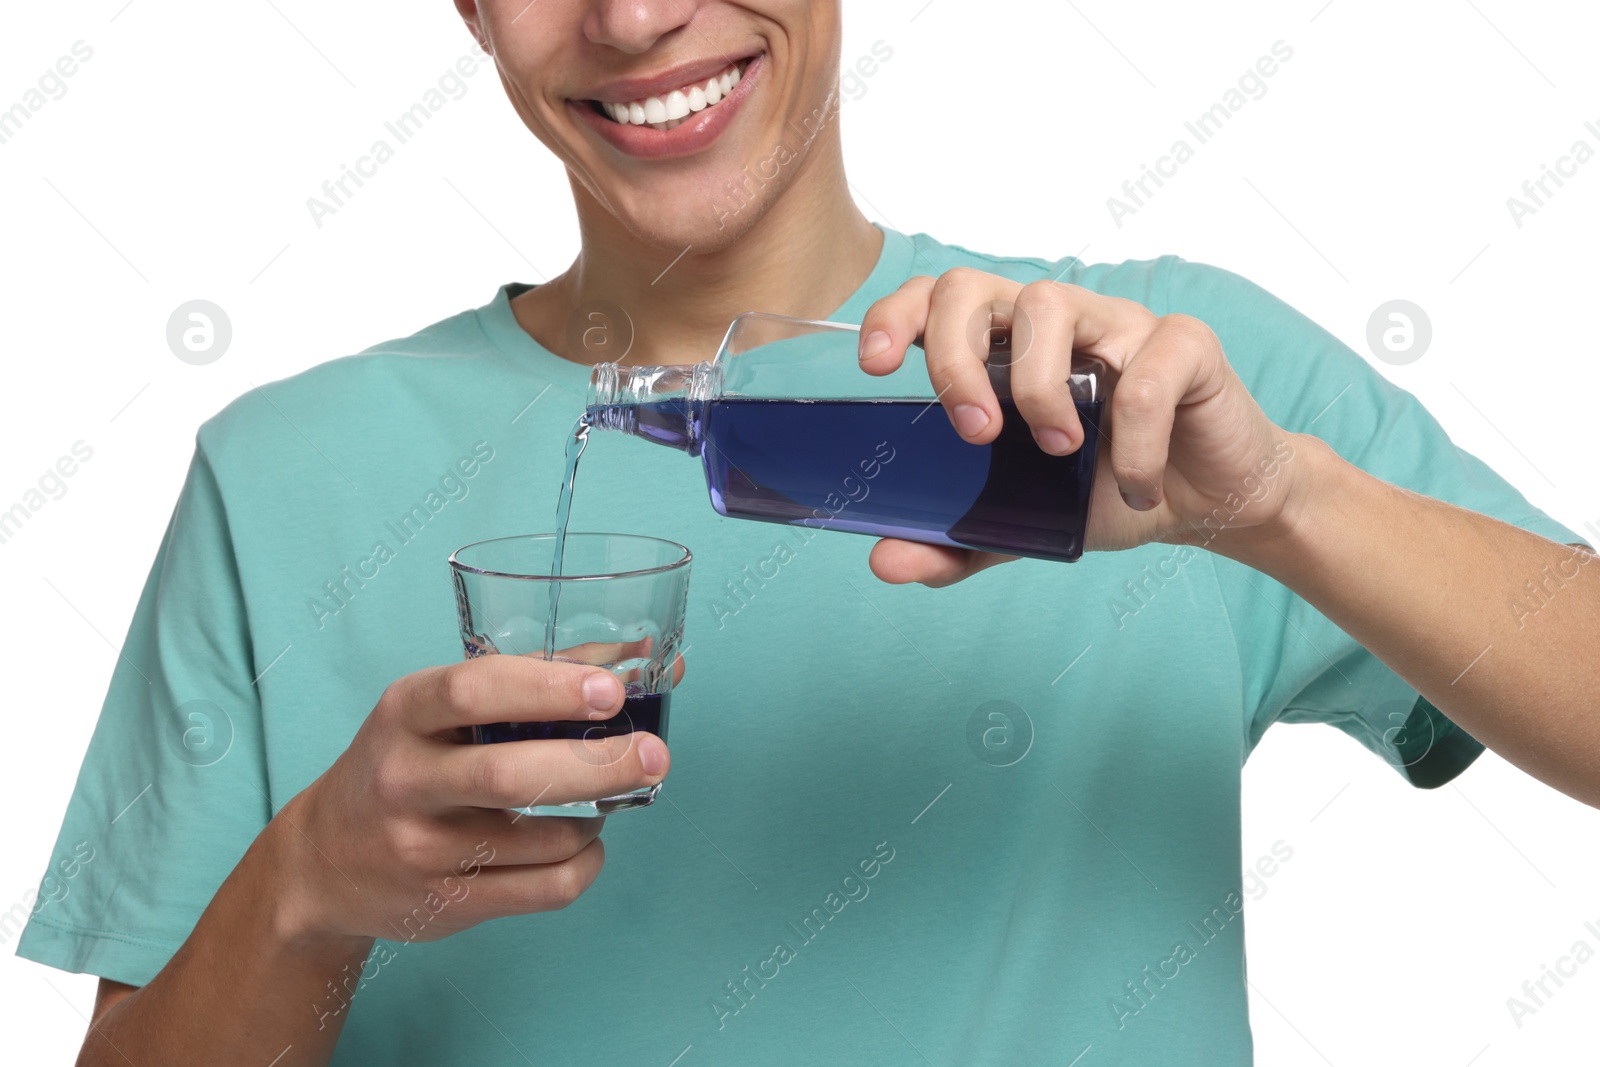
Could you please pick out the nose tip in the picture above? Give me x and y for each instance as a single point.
(634, 26)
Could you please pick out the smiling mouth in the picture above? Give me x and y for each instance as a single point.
(668, 110)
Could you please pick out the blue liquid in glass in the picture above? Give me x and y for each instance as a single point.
(645, 712)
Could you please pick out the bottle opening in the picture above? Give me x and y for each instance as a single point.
(660, 404)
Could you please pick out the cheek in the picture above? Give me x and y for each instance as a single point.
(526, 58)
(538, 107)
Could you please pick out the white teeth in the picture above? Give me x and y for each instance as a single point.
(666, 112)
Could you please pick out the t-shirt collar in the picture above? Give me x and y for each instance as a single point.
(500, 325)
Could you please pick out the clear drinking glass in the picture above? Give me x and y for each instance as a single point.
(618, 603)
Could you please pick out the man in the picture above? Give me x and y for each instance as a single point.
(970, 818)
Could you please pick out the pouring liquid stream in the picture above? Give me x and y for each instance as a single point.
(575, 446)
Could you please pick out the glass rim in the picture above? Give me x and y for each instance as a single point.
(683, 560)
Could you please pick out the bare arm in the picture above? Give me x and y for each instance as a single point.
(1497, 627)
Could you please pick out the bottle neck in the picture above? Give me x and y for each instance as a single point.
(659, 404)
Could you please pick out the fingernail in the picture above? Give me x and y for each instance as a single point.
(1138, 503)
(652, 754)
(600, 690)
(875, 343)
(970, 419)
(1055, 442)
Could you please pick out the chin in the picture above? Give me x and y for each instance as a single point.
(706, 223)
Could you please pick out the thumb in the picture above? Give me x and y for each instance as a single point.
(900, 562)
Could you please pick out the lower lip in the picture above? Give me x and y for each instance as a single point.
(693, 134)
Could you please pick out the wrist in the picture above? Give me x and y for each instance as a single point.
(1313, 498)
(280, 864)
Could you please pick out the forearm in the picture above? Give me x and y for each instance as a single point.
(246, 987)
(1442, 595)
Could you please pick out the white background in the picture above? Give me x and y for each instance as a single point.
(1377, 166)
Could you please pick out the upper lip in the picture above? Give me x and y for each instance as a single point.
(627, 90)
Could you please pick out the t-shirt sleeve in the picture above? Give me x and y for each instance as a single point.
(171, 790)
(1298, 666)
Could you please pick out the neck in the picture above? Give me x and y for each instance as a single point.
(807, 252)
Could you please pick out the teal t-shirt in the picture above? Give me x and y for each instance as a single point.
(991, 824)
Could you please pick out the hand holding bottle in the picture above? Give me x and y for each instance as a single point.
(1185, 438)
